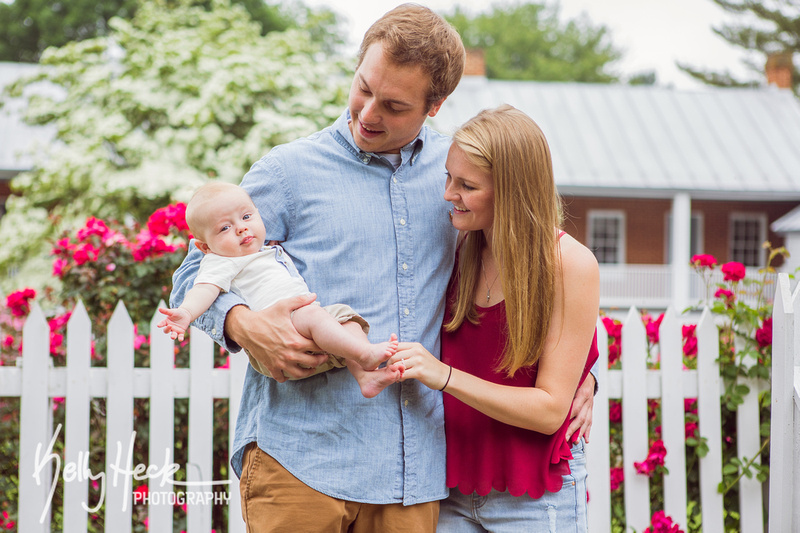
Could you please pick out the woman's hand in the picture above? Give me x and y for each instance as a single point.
(421, 365)
(581, 423)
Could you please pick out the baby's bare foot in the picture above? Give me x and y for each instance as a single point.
(378, 353)
(373, 382)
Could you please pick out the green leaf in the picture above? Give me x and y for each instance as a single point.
(730, 469)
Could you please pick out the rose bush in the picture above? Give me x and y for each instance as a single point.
(101, 263)
(745, 347)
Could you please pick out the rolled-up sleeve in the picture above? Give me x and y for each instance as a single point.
(212, 322)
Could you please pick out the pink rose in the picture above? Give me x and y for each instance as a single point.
(614, 352)
(58, 267)
(689, 340)
(764, 333)
(725, 294)
(617, 477)
(163, 219)
(690, 405)
(661, 523)
(651, 326)
(85, 253)
(655, 458)
(149, 245)
(613, 328)
(19, 302)
(615, 411)
(703, 261)
(733, 271)
(94, 226)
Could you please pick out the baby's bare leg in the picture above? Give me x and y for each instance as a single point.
(313, 322)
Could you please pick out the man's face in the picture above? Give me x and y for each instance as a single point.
(387, 103)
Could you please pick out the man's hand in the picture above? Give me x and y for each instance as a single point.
(581, 423)
(272, 339)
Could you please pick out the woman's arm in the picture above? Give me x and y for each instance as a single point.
(542, 408)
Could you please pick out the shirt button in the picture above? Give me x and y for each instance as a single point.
(405, 403)
(402, 222)
(213, 331)
(394, 180)
(405, 266)
(406, 311)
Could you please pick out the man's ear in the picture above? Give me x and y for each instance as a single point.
(435, 107)
(203, 247)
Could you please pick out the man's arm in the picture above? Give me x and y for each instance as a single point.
(267, 335)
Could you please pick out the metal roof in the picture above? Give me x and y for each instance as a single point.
(647, 141)
(788, 223)
(15, 136)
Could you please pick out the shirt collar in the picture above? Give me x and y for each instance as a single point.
(343, 135)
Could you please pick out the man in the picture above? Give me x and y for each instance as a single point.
(359, 207)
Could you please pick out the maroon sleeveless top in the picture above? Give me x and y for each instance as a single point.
(482, 453)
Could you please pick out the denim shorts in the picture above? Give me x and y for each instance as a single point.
(500, 512)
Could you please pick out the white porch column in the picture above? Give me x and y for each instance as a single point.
(681, 249)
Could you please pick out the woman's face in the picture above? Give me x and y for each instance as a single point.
(471, 191)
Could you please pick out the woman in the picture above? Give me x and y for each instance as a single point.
(518, 339)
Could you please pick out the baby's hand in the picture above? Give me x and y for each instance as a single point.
(176, 323)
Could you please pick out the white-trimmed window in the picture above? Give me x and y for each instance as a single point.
(606, 234)
(748, 233)
(696, 244)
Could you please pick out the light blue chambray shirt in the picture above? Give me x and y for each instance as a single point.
(379, 240)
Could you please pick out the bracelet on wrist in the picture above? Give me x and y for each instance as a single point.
(448, 378)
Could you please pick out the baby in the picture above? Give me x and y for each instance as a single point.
(228, 229)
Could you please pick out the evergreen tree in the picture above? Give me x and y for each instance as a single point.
(767, 28)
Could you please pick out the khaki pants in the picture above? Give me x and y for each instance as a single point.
(273, 500)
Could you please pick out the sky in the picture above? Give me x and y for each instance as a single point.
(653, 34)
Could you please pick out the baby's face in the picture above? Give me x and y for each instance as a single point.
(234, 227)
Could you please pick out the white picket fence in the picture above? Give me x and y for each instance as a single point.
(36, 382)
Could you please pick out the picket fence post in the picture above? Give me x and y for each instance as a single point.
(673, 417)
(238, 366)
(162, 423)
(783, 504)
(119, 421)
(76, 433)
(35, 470)
(598, 461)
(201, 421)
(635, 443)
(710, 421)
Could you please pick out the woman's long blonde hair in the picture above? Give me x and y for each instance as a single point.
(527, 213)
